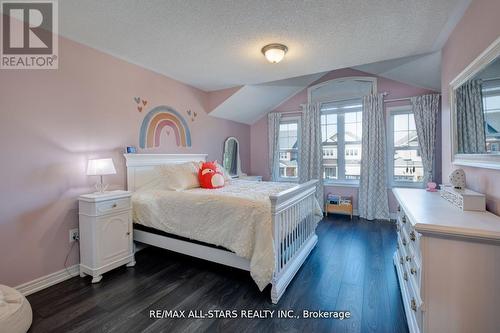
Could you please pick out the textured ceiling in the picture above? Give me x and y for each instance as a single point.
(216, 44)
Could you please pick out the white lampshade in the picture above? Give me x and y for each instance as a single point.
(101, 167)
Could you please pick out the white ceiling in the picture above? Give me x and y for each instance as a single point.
(216, 44)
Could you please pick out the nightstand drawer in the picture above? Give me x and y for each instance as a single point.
(107, 207)
(104, 207)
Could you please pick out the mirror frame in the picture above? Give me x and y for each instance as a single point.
(488, 161)
(238, 167)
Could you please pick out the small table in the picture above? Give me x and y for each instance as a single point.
(340, 208)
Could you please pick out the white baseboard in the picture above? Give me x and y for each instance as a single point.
(46, 281)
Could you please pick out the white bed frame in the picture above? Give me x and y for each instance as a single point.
(292, 217)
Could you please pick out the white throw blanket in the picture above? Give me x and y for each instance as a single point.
(236, 217)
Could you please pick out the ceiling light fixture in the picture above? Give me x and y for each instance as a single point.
(274, 53)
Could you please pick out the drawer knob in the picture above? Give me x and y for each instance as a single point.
(114, 205)
(413, 271)
(412, 236)
(128, 232)
(401, 260)
(413, 304)
(405, 276)
(408, 258)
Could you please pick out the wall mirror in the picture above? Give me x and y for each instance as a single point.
(475, 111)
(231, 157)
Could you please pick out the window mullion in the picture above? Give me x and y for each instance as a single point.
(341, 145)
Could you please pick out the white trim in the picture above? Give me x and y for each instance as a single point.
(46, 281)
(371, 79)
(487, 161)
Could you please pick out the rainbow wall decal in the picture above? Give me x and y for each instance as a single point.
(158, 118)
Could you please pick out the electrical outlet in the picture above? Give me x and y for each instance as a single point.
(74, 234)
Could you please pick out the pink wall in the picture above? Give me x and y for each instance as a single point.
(259, 142)
(477, 29)
(52, 121)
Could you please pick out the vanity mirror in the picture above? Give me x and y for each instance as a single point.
(231, 157)
(475, 111)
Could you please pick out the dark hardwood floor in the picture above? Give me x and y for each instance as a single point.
(350, 269)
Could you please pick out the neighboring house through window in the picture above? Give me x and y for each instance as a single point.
(288, 148)
(404, 160)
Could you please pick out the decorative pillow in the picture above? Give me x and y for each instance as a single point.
(209, 177)
(178, 176)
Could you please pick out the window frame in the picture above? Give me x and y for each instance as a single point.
(391, 112)
(340, 145)
(290, 120)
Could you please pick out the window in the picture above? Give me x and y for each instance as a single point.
(491, 106)
(405, 162)
(288, 149)
(341, 130)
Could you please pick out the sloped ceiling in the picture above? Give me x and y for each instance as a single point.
(251, 102)
(422, 70)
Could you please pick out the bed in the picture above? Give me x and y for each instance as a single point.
(265, 228)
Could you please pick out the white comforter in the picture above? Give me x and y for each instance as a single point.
(237, 217)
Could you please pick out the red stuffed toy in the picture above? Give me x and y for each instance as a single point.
(209, 177)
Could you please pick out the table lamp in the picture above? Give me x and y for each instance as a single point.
(101, 167)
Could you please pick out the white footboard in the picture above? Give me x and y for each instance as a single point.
(294, 233)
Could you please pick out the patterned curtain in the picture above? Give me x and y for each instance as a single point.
(310, 155)
(470, 118)
(273, 125)
(425, 110)
(373, 200)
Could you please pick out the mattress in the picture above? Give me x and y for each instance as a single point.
(236, 217)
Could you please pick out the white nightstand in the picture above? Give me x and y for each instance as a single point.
(106, 239)
(251, 178)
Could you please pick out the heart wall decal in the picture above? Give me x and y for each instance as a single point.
(139, 108)
(144, 102)
(137, 100)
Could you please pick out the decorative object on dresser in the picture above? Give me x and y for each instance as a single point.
(106, 240)
(101, 167)
(446, 263)
(338, 204)
(464, 199)
(457, 178)
(431, 187)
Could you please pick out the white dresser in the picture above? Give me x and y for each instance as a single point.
(106, 239)
(448, 264)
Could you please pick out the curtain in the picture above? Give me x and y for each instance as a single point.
(425, 109)
(273, 125)
(470, 118)
(373, 200)
(310, 151)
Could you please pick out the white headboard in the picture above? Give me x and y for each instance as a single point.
(140, 166)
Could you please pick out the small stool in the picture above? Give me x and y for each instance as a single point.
(15, 311)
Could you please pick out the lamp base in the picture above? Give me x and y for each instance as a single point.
(101, 188)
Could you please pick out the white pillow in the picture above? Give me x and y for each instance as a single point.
(178, 176)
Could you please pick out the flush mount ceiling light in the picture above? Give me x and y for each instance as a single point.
(274, 53)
